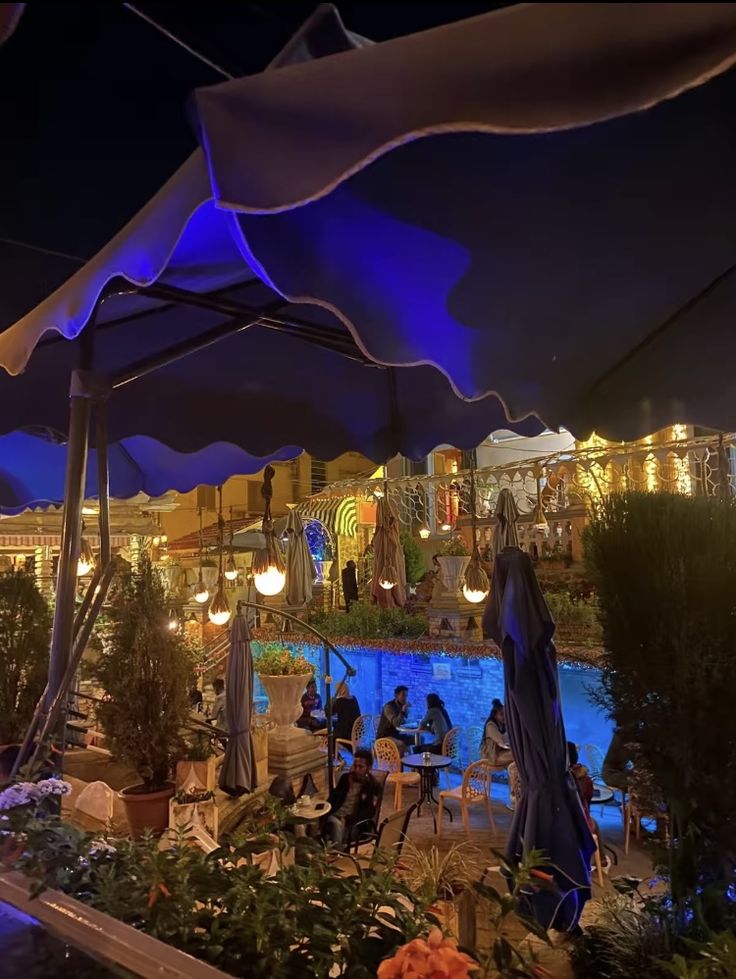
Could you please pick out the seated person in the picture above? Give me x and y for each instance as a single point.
(393, 715)
(494, 746)
(615, 771)
(586, 790)
(345, 711)
(354, 801)
(311, 701)
(436, 720)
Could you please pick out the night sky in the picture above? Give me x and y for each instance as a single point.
(94, 112)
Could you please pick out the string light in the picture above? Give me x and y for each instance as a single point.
(269, 573)
(476, 585)
(201, 591)
(86, 560)
(219, 611)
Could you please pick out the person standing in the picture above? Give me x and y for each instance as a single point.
(393, 715)
(350, 584)
(217, 715)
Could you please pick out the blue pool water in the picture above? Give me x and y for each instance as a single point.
(467, 685)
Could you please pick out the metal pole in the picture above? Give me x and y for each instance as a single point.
(328, 716)
(66, 580)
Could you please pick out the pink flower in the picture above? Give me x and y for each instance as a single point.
(433, 957)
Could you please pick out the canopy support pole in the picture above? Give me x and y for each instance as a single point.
(71, 632)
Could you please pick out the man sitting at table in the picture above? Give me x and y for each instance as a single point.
(354, 802)
(394, 714)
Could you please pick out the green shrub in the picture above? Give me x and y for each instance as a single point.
(370, 622)
(413, 559)
(572, 612)
(25, 634)
(144, 669)
(664, 567)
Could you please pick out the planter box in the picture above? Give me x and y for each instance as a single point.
(101, 936)
(204, 814)
(200, 774)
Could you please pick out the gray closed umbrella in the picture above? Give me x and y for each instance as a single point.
(549, 816)
(506, 533)
(238, 769)
(300, 570)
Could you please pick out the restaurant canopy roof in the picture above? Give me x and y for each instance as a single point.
(537, 202)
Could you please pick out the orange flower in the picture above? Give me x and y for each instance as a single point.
(435, 957)
(155, 892)
(541, 875)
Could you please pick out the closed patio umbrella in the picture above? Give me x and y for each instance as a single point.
(300, 570)
(506, 533)
(388, 558)
(549, 816)
(237, 774)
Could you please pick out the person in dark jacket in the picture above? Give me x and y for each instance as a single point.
(355, 802)
(345, 711)
(393, 716)
(349, 584)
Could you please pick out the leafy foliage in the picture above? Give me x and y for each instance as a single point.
(432, 873)
(370, 622)
(221, 908)
(573, 614)
(276, 660)
(413, 559)
(144, 669)
(25, 632)
(454, 546)
(665, 570)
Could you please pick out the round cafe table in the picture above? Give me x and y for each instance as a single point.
(415, 731)
(427, 769)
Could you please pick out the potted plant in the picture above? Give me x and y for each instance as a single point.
(453, 559)
(197, 767)
(25, 628)
(192, 808)
(445, 880)
(284, 675)
(144, 670)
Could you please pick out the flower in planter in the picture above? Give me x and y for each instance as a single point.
(32, 793)
(279, 661)
(433, 957)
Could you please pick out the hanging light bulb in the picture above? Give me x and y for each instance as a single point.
(219, 611)
(269, 573)
(539, 518)
(476, 584)
(201, 591)
(86, 561)
(378, 493)
(268, 577)
(424, 532)
(231, 569)
(173, 622)
(446, 527)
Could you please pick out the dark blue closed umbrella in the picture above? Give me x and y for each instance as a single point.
(549, 815)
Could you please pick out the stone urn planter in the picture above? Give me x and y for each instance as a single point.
(452, 572)
(284, 698)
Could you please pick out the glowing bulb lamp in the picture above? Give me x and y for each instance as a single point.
(173, 623)
(219, 611)
(231, 569)
(86, 561)
(446, 527)
(201, 591)
(270, 581)
(539, 518)
(424, 533)
(476, 584)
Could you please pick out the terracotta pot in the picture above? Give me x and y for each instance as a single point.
(452, 572)
(147, 810)
(285, 697)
